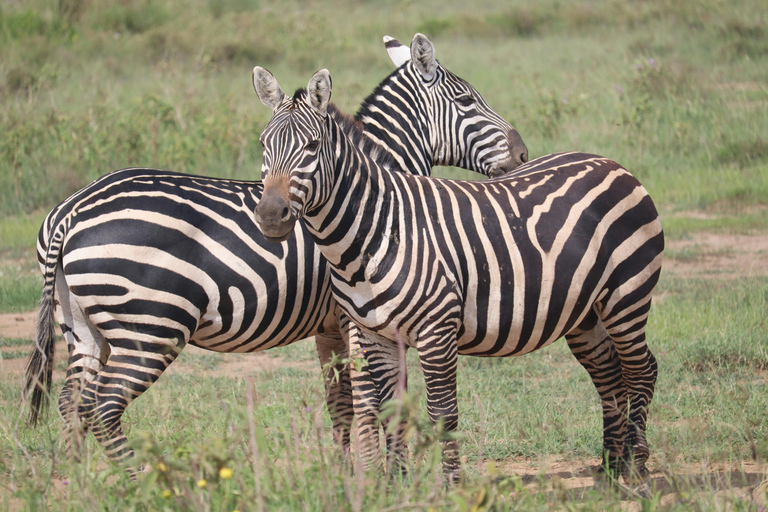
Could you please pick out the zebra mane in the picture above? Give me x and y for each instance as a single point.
(355, 130)
(365, 106)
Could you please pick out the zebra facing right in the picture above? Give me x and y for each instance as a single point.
(566, 245)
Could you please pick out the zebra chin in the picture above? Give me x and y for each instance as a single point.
(275, 230)
(278, 239)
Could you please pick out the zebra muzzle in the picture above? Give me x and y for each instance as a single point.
(274, 217)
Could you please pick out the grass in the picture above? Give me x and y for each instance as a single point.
(19, 287)
(710, 407)
(673, 91)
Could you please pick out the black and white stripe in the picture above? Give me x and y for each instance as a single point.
(566, 245)
(142, 262)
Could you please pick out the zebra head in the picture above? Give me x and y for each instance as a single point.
(292, 151)
(463, 130)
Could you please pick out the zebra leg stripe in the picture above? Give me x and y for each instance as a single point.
(639, 370)
(594, 349)
(385, 372)
(338, 389)
(366, 403)
(438, 354)
(124, 378)
(88, 352)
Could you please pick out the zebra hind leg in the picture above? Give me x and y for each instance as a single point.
(88, 352)
(594, 350)
(124, 378)
(626, 327)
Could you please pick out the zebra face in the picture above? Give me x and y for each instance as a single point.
(292, 151)
(464, 130)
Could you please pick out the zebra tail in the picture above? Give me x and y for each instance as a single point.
(40, 365)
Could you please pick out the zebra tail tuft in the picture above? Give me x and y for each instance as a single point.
(39, 369)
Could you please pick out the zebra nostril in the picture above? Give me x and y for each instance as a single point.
(286, 214)
(523, 157)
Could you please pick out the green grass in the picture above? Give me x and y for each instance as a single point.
(710, 406)
(675, 94)
(13, 342)
(19, 287)
(15, 354)
(675, 91)
(20, 280)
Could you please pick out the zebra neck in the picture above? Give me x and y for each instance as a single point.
(391, 119)
(360, 213)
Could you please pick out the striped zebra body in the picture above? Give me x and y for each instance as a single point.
(152, 260)
(566, 245)
(142, 262)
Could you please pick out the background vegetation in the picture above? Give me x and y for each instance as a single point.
(677, 91)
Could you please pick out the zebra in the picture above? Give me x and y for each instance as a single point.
(568, 244)
(142, 261)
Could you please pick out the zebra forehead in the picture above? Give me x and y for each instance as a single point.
(288, 131)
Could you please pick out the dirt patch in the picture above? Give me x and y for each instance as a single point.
(571, 480)
(232, 366)
(713, 255)
(17, 325)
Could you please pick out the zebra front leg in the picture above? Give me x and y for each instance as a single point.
(338, 386)
(438, 356)
(384, 380)
(365, 399)
(128, 373)
(594, 349)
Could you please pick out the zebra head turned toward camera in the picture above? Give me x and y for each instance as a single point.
(568, 245)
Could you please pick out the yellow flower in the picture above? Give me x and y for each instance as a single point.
(166, 494)
(201, 483)
(225, 473)
(162, 467)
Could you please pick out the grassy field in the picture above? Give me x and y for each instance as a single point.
(675, 91)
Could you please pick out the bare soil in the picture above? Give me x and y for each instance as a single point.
(704, 255)
(17, 325)
(718, 255)
(570, 480)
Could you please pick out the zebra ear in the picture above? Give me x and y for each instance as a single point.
(267, 88)
(398, 52)
(319, 91)
(423, 57)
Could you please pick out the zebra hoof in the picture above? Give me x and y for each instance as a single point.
(610, 469)
(635, 475)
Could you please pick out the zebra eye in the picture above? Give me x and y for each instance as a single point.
(312, 145)
(465, 100)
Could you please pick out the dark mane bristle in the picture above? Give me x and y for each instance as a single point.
(355, 130)
(298, 96)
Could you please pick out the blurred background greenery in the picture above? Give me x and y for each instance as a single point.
(675, 91)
